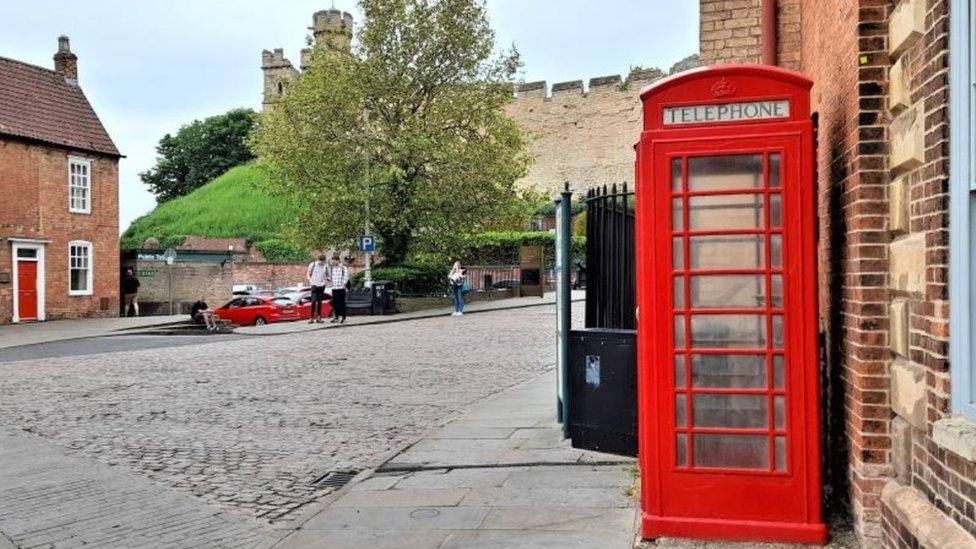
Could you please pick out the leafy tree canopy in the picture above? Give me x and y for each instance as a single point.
(421, 98)
(198, 153)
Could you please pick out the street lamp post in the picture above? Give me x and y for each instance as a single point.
(368, 274)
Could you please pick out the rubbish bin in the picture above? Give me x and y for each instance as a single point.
(384, 300)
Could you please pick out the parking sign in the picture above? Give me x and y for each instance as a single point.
(367, 243)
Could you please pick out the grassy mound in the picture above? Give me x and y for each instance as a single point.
(235, 205)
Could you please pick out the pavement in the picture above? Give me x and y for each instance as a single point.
(33, 333)
(499, 475)
(472, 308)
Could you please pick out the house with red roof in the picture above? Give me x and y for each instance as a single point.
(59, 182)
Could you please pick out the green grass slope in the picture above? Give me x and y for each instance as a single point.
(235, 205)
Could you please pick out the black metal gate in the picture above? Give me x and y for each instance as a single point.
(610, 274)
(603, 357)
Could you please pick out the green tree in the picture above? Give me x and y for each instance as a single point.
(422, 99)
(199, 152)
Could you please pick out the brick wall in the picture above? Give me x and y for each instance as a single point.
(34, 184)
(731, 32)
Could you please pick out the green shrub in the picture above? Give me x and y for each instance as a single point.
(411, 278)
(502, 248)
(280, 251)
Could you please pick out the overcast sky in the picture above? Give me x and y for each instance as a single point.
(150, 66)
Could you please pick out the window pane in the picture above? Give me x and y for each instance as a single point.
(780, 453)
(679, 292)
(736, 211)
(774, 169)
(779, 411)
(728, 331)
(775, 211)
(732, 451)
(682, 450)
(680, 407)
(776, 250)
(26, 253)
(779, 372)
(715, 173)
(679, 332)
(79, 280)
(727, 291)
(679, 253)
(677, 214)
(777, 290)
(676, 175)
(731, 411)
(728, 371)
(778, 331)
(727, 252)
(679, 371)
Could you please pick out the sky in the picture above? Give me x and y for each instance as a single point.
(151, 66)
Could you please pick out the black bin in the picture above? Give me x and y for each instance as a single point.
(384, 300)
(603, 390)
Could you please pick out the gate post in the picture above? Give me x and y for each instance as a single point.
(564, 238)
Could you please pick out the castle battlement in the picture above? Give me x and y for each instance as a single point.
(332, 21)
(274, 59)
(636, 80)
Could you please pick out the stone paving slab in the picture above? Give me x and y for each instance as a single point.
(459, 492)
(33, 333)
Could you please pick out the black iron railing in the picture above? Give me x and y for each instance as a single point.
(610, 268)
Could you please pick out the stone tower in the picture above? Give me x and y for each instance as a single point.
(330, 29)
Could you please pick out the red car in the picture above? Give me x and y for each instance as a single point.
(258, 310)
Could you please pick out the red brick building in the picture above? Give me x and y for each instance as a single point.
(893, 101)
(59, 217)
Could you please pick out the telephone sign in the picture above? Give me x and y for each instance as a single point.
(726, 286)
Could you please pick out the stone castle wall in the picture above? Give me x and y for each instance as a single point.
(584, 137)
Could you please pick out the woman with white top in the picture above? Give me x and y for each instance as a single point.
(458, 280)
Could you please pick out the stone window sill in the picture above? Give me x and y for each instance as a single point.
(957, 435)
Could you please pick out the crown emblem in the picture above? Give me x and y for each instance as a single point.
(723, 88)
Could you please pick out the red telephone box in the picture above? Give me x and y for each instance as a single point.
(726, 288)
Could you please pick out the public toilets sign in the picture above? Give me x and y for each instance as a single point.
(728, 112)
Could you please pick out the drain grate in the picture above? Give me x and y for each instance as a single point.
(334, 479)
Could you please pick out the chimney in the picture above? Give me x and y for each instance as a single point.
(65, 62)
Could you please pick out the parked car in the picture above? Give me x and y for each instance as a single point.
(243, 289)
(304, 305)
(258, 310)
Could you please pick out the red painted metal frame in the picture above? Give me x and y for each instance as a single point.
(724, 503)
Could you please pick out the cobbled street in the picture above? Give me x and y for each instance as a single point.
(248, 425)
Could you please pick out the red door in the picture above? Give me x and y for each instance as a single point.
(27, 290)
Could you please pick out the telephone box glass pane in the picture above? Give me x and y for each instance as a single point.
(728, 331)
(777, 331)
(682, 450)
(676, 175)
(679, 292)
(679, 253)
(727, 252)
(727, 291)
(728, 371)
(775, 211)
(679, 371)
(774, 169)
(780, 453)
(732, 451)
(776, 250)
(677, 215)
(680, 407)
(731, 411)
(726, 211)
(779, 372)
(776, 292)
(779, 411)
(722, 173)
(679, 332)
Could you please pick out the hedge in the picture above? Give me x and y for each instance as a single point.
(280, 251)
(410, 278)
(502, 248)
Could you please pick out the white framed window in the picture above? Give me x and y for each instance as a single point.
(80, 268)
(79, 185)
(962, 207)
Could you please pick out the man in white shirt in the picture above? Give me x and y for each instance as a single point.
(338, 280)
(317, 275)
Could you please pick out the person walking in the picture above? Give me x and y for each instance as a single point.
(317, 275)
(339, 283)
(130, 293)
(459, 281)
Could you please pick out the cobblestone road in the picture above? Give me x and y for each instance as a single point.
(249, 425)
